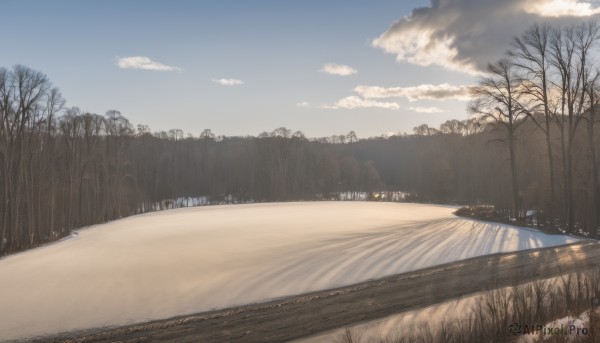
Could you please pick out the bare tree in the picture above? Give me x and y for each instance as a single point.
(531, 53)
(592, 120)
(497, 100)
(27, 104)
(570, 49)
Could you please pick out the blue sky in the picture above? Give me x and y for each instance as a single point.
(277, 49)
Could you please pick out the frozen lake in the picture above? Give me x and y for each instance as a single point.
(175, 262)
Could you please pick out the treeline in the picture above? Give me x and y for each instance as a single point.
(61, 168)
(275, 166)
(549, 77)
(531, 144)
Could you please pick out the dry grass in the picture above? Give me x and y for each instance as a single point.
(538, 302)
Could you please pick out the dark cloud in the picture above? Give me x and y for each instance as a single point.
(466, 35)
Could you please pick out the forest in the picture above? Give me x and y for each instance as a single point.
(530, 143)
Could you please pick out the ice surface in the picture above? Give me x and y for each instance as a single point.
(188, 260)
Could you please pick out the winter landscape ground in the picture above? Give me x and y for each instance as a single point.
(176, 262)
(270, 171)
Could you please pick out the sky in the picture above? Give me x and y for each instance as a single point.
(244, 67)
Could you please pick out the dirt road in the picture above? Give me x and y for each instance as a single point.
(303, 315)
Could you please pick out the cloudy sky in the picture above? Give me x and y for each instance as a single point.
(243, 67)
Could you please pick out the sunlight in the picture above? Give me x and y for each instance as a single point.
(562, 8)
(292, 168)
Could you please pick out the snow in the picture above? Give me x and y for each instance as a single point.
(570, 329)
(182, 261)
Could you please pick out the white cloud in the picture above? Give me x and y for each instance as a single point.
(419, 109)
(355, 102)
(142, 62)
(228, 82)
(338, 69)
(303, 104)
(466, 35)
(562, 8)
(442, 91)
(421, 46)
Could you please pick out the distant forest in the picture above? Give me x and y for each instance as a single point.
(531, 143)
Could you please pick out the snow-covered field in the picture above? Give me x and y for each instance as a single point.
(182, 261)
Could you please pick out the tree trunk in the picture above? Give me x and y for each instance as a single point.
(515, 180)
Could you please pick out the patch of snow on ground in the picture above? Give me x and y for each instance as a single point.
(169, 263)
(570, 329)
